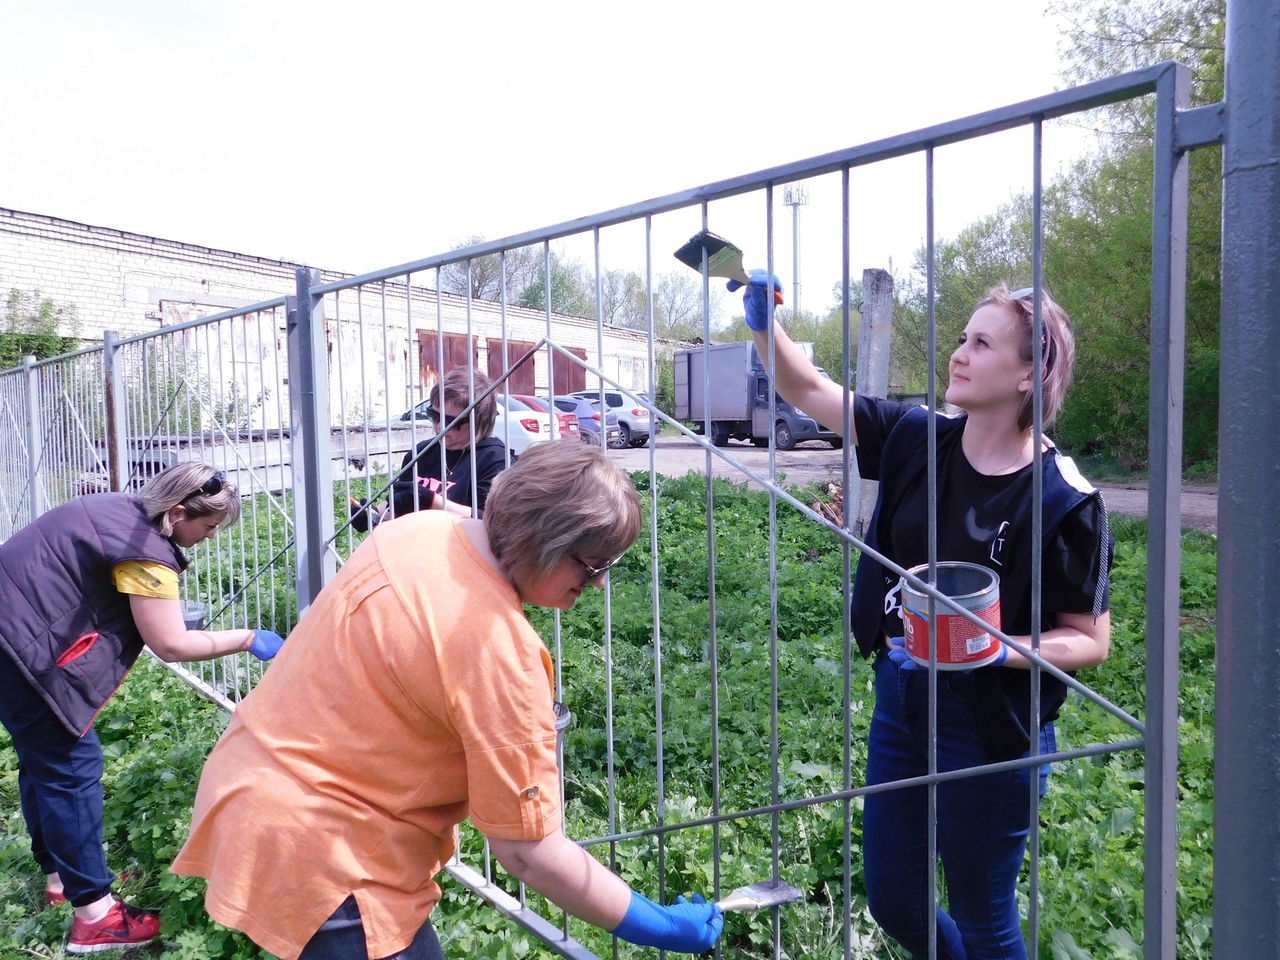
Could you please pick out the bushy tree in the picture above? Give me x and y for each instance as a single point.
(36, 325)
(1097, 223)
(482, 276)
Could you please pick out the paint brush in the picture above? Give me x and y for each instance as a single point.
(760, 896)
(724, 259)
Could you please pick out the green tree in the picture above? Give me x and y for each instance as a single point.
(36, 325)
(1099, 219)
(482, 276)
(573, 289)
(1097, 222)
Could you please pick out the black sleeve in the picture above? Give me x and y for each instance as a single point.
(422, 461)
(491, 459)
(1077, 562)
(406, 495)
(874, 419)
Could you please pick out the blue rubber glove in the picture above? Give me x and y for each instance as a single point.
(687, 926)
(999, 661)
(898, 654)
(755, 298)
(265, 644)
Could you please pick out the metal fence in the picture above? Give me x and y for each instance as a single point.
(216, 390)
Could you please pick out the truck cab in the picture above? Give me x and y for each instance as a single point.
(791, 426)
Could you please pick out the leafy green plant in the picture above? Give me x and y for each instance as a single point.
(156, 733)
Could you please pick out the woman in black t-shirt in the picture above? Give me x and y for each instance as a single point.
(437, 474)
(984, 467)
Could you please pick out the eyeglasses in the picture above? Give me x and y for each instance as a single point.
(595, 573)
(211, 486)
(435, 416)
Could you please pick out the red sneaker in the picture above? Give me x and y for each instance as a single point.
(123, 926)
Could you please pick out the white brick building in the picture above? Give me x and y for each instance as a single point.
(134, 284)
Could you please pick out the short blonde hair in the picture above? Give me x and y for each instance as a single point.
(560, 498)
(1058, 352)
(184, 484)
(456, 388)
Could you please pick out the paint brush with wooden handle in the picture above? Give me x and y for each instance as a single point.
(724, 259)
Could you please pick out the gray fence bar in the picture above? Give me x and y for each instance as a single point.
(1164, 515)
(309, 438)
(1246, 921)
(34, 436)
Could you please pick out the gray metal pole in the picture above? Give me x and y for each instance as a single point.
(1246, 878)
(872, 379)
(113, 401)
(35, 492)
(310, 456)
(1164, 516)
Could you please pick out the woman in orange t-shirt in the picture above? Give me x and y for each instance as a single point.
(412, 695)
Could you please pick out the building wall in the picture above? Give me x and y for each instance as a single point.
(134, 284)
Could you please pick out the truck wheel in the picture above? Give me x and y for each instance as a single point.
(782, 437)
(836, 443)
(719, 437)
(760, 441)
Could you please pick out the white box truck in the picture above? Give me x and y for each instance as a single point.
(740, 392)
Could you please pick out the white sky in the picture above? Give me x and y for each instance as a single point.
(355, 136)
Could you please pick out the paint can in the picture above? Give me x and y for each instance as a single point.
(194, 614)
(962, 645)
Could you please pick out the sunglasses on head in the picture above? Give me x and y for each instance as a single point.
(595, 573)
(1025, 294)
(211, 486)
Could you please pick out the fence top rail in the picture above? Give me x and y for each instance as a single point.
(1099, 93)
(261, 306)
(151, 334)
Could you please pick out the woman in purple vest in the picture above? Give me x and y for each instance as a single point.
(83, 589)
(985, 495)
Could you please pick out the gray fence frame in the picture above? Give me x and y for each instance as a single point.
(1247, 883)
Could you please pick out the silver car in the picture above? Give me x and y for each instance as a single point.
(635, 426)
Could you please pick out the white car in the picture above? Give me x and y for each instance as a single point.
(516, 424)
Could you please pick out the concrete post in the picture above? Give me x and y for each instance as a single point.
(872, 377)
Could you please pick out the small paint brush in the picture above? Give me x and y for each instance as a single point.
(760, 896)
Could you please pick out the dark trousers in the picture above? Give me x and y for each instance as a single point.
(341, 937)
(60, 785)
(982, 823)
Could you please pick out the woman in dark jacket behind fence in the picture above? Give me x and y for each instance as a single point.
(437, 474)
(83, 588)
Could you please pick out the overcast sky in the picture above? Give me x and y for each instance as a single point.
(354, 136)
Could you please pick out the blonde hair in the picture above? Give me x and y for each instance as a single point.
(456, 387)
(560, 498)
(1058, 353)
(183, 484)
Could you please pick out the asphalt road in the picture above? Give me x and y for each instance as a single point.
(674, 456)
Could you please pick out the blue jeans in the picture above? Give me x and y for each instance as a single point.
(982, 823)
(341, 937)
(60, 788)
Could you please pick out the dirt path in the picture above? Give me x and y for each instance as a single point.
(676, 456)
